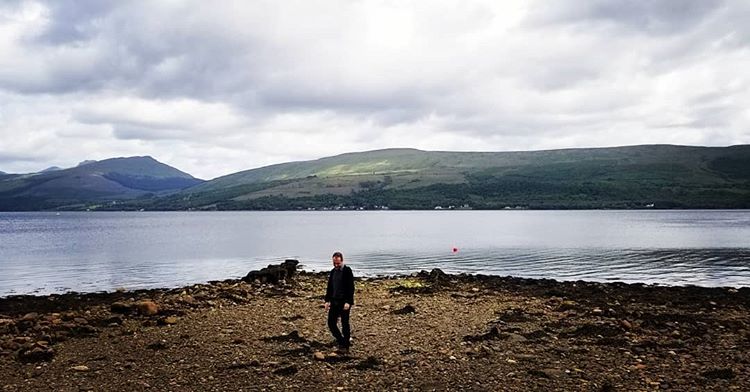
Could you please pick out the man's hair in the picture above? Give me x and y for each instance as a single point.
(338, 254)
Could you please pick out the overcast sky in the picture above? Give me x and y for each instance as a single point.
(215, 87)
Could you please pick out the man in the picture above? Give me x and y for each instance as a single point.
(339, 300)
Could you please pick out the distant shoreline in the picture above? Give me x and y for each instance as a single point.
(116, 293)
(391, 210)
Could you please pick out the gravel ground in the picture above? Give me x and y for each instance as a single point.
(426, 332)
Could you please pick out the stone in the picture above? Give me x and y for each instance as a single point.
(120, 307)
(568, 305)
(286, 371)
(626, 324)
(493, 333)
(160, 345)
(22, 339)
(273, 274)
(405, 310)
(80, 368)
(30, 316)
(319, 356)
(169, 320)
(369, 363)
(546, 373)
(80, 320)
(147, 308)
(724, 374)
(513, 337)
(36, 354)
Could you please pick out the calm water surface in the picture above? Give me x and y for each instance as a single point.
(45, 252)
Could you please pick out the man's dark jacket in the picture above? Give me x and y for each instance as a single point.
(347, 285)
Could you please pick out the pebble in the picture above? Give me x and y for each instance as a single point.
(30, 316)
(80, 368)
(119, 307)
(516, 338)
(147, 308)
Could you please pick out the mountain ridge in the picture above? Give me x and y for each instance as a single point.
(642, 176)
(664, 175)
(108, 180)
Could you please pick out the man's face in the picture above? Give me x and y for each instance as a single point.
(337, 262)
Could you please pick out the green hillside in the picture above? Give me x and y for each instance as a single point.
(650, 176)
(664, 176)
(105, 181)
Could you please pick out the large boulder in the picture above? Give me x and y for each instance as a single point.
(435, 276)
(273, 273)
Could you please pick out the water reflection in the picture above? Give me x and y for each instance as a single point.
(43, 252)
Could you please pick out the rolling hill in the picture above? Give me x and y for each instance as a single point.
(648, 176)
(657, 176)
(107, 181)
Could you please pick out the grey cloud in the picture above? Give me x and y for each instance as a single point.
(548, 77)
(657, 17)
(167, 54)
(135, 132)
(571, 72)
(97, 45)
(343, 99)
(75, 20)
(14, 157)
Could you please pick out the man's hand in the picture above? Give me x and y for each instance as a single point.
(347, 306)
(328, 306)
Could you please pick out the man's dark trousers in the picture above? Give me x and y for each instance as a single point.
(336, 311)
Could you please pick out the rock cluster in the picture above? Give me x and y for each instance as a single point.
(274, 274)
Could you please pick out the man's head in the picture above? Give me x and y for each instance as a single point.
(338, 260)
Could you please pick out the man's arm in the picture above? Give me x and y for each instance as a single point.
(329, 290)
(350, 287)
(329, 293)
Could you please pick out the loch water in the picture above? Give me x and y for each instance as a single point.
(48, 252)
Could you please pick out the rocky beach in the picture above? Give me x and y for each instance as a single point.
(429, 331)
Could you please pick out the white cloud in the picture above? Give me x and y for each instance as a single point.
(222, 87)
